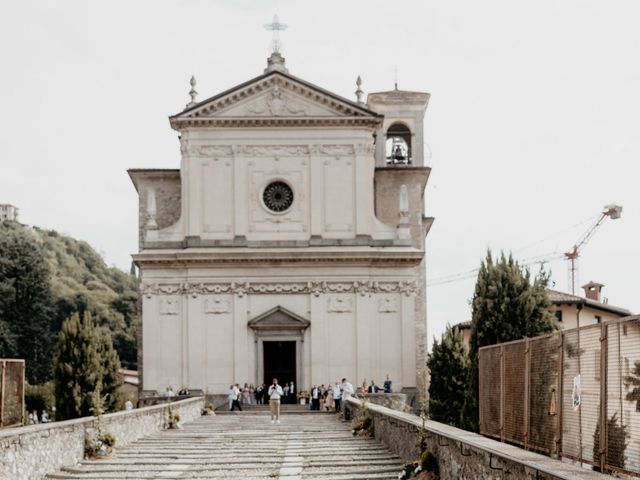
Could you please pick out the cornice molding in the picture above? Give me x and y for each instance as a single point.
(246, 258)
(362, 288)
(259, 122)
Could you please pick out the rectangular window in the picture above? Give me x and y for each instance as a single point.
(598, 319)
(558, 314)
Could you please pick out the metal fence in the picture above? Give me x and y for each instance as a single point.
(11, 392)
(573, 394)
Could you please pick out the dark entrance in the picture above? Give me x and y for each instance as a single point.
(279, 362)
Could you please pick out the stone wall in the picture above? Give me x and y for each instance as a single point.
(394, 401)
(29, 453)
(465, 455)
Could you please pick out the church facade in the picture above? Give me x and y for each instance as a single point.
(290, 243)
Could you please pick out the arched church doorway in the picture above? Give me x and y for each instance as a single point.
(279, 360)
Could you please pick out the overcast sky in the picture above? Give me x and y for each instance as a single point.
(533, 124)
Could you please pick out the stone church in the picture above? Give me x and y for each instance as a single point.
(290, 243)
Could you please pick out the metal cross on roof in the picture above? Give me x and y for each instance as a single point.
(275, 26)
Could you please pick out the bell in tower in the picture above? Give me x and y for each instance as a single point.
(398, 144)
(400, 140)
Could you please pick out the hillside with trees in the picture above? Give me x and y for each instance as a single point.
(46, 277)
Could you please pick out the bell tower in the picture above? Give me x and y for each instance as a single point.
(400, 180)
(400, 139)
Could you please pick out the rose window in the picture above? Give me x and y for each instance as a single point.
(277, 196)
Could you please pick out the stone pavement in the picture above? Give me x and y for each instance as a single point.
(247, 446)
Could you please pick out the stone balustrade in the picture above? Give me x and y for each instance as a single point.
(464, 455)
(28, 453)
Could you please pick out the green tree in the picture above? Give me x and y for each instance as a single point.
(25, 301)
(86, 363)
(508, 304)
(633, 380)
(111, 379)
(617, 442)
(449, 365)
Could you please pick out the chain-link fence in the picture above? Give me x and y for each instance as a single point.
(573, 394)
(11, 392)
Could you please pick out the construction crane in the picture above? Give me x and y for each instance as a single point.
(611, 211)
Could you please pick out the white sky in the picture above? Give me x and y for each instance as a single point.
(534, 120)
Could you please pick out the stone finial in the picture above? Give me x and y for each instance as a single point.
(404, 232)
(359, 93)
(151, 210)
(192, 93)
(276, 63)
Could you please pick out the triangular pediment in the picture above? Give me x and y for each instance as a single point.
(278, 318)
(274, 96)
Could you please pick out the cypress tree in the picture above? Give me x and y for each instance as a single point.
(86, 363)
(448, 364)
(508, 304)
(111, 379)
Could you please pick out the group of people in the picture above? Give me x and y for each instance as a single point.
(328, 398)
(170, 393)
(34, 418)
(252, 395)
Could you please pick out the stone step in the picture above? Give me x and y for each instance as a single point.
(247, 446)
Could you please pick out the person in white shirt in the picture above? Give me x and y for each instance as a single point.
(347, 391)
(230, 396)
(235, 397)
(337, 395)
(275, 393)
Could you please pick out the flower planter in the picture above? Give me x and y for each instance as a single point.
(303, 401)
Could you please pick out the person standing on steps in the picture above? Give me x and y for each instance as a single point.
(235, 397)
(387, 385)
(315, 398)
(275, 394)
(337, 395)
(292, 393)
(347, 391)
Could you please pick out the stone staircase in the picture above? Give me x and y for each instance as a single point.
(247, 446)
(284, 408)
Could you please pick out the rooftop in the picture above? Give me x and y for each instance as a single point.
(559, 298)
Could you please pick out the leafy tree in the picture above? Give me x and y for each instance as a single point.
(25, 301)
(617, 441)
(508, 304)
(633, 380)
(39, 397)
(86, 364)
(449, 364)
(45, 278)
